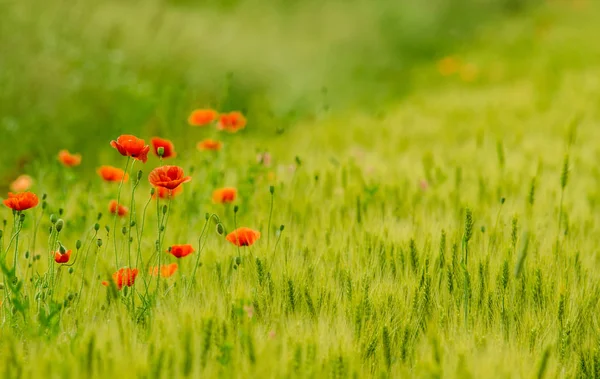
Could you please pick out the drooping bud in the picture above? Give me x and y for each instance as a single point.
(220, 229)
(59, 225)
(62, 248)
(78, 244)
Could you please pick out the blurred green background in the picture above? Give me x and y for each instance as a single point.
(75, 74)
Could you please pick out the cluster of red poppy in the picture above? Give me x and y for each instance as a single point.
(167, 180)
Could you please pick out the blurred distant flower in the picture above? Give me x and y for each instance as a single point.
(202, 117)
(249, 309)
(169, 149)
(62, 257)
(131, 146)
(123, 277)
(21, 183)
(112, 174)
(423, 184)
(114, 207)
(169, 177)
(231, 122)
(469, 72)
(68, 159)
(272, 334)
(264, 159)
(448, 66)
(224, 195)
(209, 144)
(243, 236)
(165, 270)
(21, 201)
(163, 193)
(180, 251)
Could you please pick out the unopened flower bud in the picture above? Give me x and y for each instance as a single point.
(99, 242)
(281, 228)
(44, 196)
(70, 272)
(132, 223)
(164, 210)
(44, 205)
(59, 225)
(236, 208)
(99, 216)
(152, 191)
(62, 248)
(272, 189)
(27, 254)
(220, 229)
(139, 176)
(96, 226)
(107, 228)
(124, 230)
(78, 244)
(60, 211)
(53, 218)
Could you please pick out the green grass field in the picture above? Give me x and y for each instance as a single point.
(419, 217)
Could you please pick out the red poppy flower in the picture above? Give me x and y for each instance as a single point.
(202, 117)
(209, 144)
(123, 277)
(165, 270)
(163, 193)
(21, 183)
(243, 237)
(169, 149)
(169, 177)
(68, 159)
(131, 146)
(114, 207)
(112, 174)
(231, 122)
(21, 201)
(180, 251)
(224, 195)
(62, 258)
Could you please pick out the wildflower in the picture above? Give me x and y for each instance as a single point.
(169, 177)
(21, 183)
(231, 122)
(169, 149)
(423, 184)
(264, 159)
(115, 207)
(131, 146)
(224, 195)
(272, 334)
(112, 174)
(60, 257)
(165, 270)
(180, 251)
(21, 201)
(448, 66)
(164, 193)
(249, 309)
(68, 159)
(202, 117)
(123, 277)
(243, 237)
(209, 144)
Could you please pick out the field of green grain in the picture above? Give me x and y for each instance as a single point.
(423, 176)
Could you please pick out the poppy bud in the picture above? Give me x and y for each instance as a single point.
(132, 223)
(139, 176)
(50, 229)
(124, 230)
(44, 205)
(96, 226)
(152, 190)
(37, 257)
(235, 209)
(60, 211)
(298, 161)
(78, 244)
(61, 248)
(272, 189)
(162, 228)
(107, 228)
(238, 261)
(165, 209)
(502, 200)
(70, 272)
(281, 228)
(99, 242)
(220, 229)
(59, 224)
(53, 218)
(70, 296)
(27, 254)
(22, 217)
(99, 216)
(44, 196)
